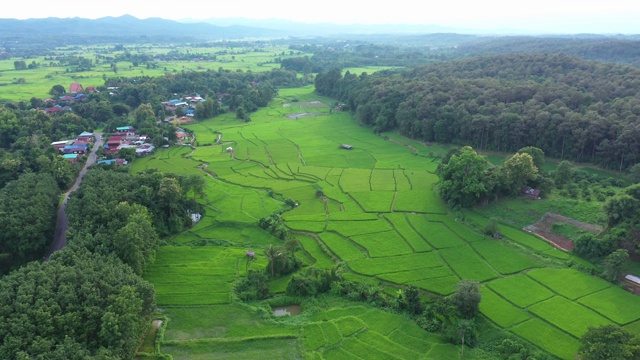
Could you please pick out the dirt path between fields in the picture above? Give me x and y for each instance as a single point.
(542, 228)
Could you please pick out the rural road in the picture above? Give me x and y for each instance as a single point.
(62, 223)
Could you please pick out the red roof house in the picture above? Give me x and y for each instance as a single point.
(75, 88)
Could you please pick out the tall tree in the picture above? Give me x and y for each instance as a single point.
(519, 169)
(467, 298)
(609, 342)
(612, 264)
(463, 178)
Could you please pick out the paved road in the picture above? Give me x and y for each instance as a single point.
(62, 223)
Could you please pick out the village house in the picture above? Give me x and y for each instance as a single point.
(118, 162)
(72, 157)
(75, 88)
(76, 149)
(59, 145)
(112, 144)
(145, 149)
(86, 137)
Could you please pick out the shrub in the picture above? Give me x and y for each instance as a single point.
(254, 287)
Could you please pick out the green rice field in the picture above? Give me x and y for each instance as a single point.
(375, 209)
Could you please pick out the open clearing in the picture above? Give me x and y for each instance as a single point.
(379, 214)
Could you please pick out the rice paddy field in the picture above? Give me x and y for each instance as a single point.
(374, 208)
(38, 82)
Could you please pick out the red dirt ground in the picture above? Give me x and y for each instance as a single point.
(542, 229)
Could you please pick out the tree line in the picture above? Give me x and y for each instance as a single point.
(570, 108)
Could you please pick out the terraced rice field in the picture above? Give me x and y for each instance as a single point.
(374, 208)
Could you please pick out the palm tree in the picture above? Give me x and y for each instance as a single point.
(272, 253)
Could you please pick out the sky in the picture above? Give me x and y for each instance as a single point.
(550, 16)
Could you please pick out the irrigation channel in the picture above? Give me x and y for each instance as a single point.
(62, 223)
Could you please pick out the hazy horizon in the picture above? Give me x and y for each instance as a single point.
(544, 16)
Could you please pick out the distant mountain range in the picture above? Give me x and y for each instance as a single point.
(61, 31)
(127, 26)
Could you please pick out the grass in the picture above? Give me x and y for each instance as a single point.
(376, 266)
(363, 227)
(568, 315)
(341, 247)
(499, 310)
(194, 276)
(502, 258)
(400, 224)
(436, 234)
(421, 201)
(467, 264)
(520, 290)
(374, 201)
(322, 259)
(569, 283)
(383, 244)
(548, 338)
(411, 276)
(614, 303)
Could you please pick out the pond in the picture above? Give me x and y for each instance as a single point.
(290, 310)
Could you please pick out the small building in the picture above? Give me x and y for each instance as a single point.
(53, 110)
(72, 157)
(59, 145)
(190, 113)
(145, 149)
(112, 144)
(125, 129)
(85, 135)
(75, 149)
(75, 88)
(118, 162)
(346, 147)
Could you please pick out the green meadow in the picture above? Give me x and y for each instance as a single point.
(38, 81)
(374, 208)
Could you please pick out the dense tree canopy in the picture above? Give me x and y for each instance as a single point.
(567, 107)
(28, 211)
(76, 305)
(609, 342)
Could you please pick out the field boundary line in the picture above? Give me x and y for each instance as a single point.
(229, 340)
(360, 248)
(393, 226)
(393, 201)
(418, 232)
(327, 250)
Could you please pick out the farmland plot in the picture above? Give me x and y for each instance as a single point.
(375, 209)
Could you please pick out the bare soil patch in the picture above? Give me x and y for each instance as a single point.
(542, 228)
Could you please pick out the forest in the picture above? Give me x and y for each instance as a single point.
(570, 108)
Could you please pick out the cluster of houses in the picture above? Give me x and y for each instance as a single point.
(188, 103)
(73, 150)
(62, 103)
(124, 137)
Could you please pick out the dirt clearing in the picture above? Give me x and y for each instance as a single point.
(542, 228)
